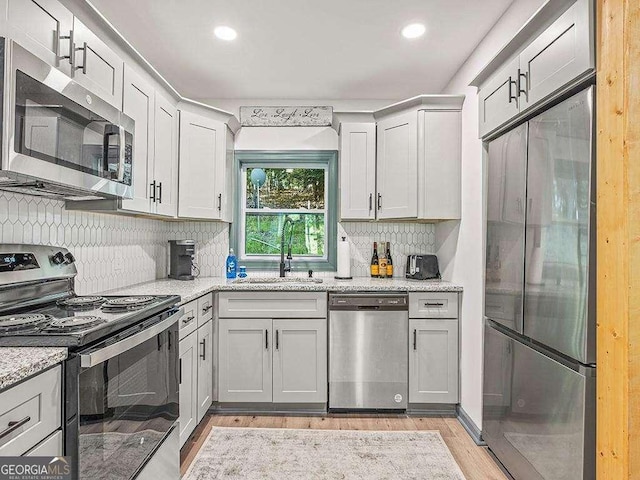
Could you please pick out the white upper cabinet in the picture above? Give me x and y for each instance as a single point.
(397, 173)
(139, 103)
(498, 100)
(419, 159)
(96, 66)
(44, 28)
(165, 167)
(358, 171)
(535, 66)
(562, 52)
(203, 167)
(439, 164)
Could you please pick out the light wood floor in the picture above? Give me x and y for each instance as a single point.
(474, 461)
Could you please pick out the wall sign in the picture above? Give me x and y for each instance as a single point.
(286, 116)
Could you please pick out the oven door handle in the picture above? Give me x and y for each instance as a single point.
(99, 356)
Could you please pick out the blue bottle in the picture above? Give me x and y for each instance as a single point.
(232, 265)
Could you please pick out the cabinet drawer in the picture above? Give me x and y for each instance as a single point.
(51, 447)
(433, 305)
(205, 309)
(272, 305)
(36, 405)
(189, 321)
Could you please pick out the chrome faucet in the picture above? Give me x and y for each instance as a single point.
(286, 267)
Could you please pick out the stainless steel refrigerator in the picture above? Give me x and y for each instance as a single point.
(539, 340)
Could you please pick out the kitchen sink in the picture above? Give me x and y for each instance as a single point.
(275, 280)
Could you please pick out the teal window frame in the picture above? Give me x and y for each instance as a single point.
(327, 159)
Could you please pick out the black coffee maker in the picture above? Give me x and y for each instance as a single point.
(181, 256)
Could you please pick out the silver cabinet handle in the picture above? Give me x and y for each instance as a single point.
(277, 340)
(188, 319)
(379, 201)
(266, 339)
(179, 371)
(13, 426)
(152, 196)
(434, 304)
(82, 67)
(219, 202)
(207, 308)
(511, 95)
(103, 354)
(203, 355)
(159, 192)
(526, 84)
(72, 48)
(370, 201)
(415, 339)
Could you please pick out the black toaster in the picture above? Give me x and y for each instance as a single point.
(422, 267)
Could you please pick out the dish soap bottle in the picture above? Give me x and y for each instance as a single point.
(232, 265)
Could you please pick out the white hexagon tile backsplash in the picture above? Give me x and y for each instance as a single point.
(114, 251)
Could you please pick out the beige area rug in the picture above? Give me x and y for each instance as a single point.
(288, 454)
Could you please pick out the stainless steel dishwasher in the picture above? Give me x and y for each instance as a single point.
(368, 351)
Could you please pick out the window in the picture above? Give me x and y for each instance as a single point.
(274, 187)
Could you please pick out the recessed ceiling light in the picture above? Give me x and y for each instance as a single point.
(225, 33)
(413, 30)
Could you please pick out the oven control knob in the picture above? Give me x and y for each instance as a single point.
(69, 258)
(58, 258)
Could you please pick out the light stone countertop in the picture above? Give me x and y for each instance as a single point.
(18, 363)
(192, 289)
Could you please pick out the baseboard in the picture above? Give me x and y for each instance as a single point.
(432, 409)
(289, 409)
(469, 425)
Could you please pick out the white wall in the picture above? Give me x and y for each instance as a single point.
(460, 245)
(286, 138)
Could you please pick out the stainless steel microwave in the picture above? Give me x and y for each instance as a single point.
(58, 138)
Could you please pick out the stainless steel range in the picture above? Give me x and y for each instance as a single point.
(122, 373)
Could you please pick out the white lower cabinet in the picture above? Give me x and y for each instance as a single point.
(30, 412)
(205, 368)
(188, 386)
(273, 360)
(196, 364)
(245, 360)
(49, 447)
(433, 361)
(300, 361)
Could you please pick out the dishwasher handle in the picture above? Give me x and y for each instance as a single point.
(368, 307)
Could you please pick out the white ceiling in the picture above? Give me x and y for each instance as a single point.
(338, 49)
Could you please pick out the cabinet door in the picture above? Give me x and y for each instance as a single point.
(138, 103)
(245, 360)
(188, 386)
(397, 172)
(98, 68)
(38, 25)
(439, 164)
(433, 365)
(300, 361)
(205, 368)
(202, 152)
(165, 170)
(357, 171)
(561, 53)
(227, 180)
(498, 99)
